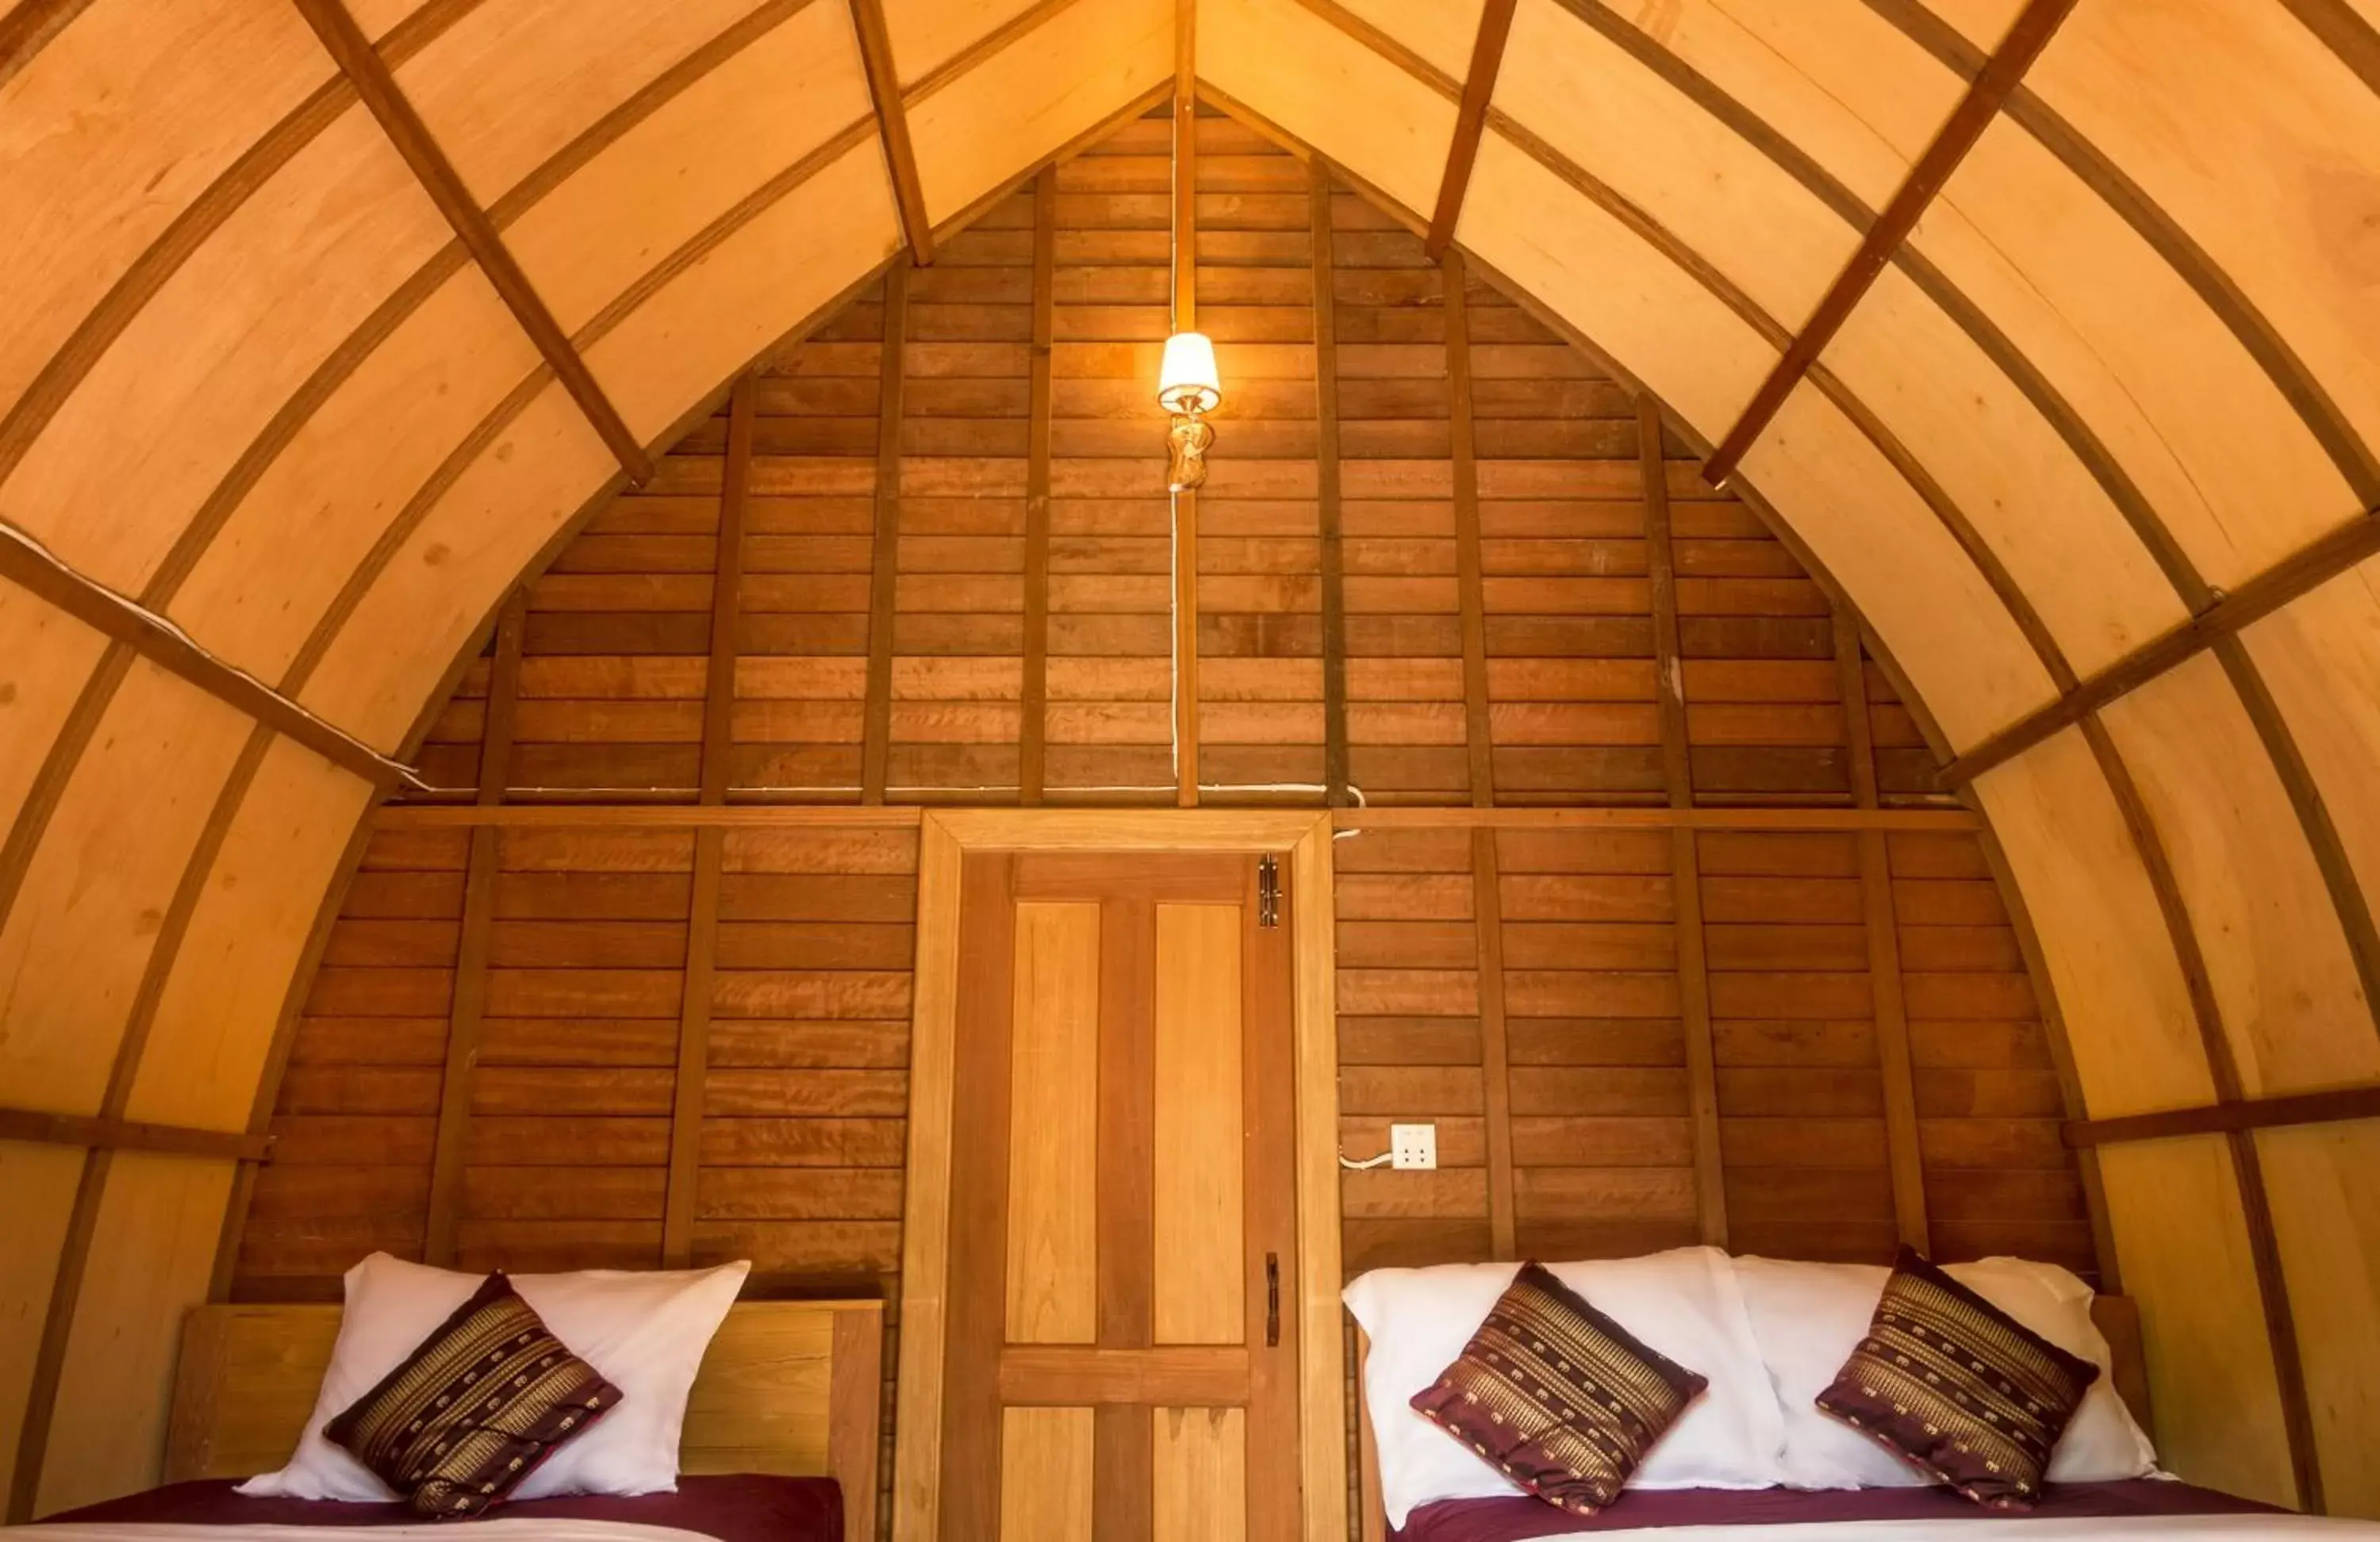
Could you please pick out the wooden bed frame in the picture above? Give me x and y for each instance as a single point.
(789, 1387)
(2118, 1317)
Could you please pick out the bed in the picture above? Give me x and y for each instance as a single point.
(781, 1442)
(2145, 1506)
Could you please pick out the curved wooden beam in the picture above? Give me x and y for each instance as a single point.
(376, 84)
(2026, 37)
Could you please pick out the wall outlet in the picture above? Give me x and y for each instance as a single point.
(1414, 1147)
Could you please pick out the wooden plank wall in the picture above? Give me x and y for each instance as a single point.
(1428, 574)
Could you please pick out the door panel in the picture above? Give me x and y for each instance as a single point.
(1119, 1363)
(1201, 1263)
(1045, 1475)
(1053, 1071)
(1200, 1477)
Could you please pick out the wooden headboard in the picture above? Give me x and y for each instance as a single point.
(2118, 1318)
(791, 1386)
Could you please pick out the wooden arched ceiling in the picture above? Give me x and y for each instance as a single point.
(2060, 322)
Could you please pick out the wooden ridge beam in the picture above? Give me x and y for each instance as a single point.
(892, 126)
(2249, 1113)
(34, 569)
(2000, 75)
(376, 83)
(100, 1134)
(2305, 571)
(1470, 122)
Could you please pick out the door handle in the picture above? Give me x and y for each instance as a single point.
(1272, 1300)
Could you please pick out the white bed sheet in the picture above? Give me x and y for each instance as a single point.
(2151, 1528)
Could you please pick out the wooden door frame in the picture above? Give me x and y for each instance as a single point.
(944, 839)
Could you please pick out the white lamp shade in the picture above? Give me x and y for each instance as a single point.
(1188, 381)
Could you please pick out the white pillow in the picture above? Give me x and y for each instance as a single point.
(1808, 1319)
(1683, 1303)
(645, 1331)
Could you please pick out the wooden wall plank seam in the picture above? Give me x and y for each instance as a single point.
(1331, 511)
(25, 30)
(1903, 1149)
(1033, 751)
(25, 564)
(892, 126)
(468, 1010)
(1470, 121)
(2026, 36)
(884, 560)
(2223, 1070)
(375, 82)
(1677, 775)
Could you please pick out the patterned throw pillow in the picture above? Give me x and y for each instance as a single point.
(1953, 1385)
(1558, 1397)
(475, 1408)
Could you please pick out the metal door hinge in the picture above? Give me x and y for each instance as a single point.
(1268, 892)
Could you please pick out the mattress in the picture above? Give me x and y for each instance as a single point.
(731, 1508)
(2070, 1512)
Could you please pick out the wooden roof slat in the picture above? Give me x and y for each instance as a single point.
(30, 567)
(2026, 37)
(2309, 569)
(892, 126)
(1470, 121)
(373, 81)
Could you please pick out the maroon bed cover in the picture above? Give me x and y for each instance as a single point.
(743, 1507)
(1515, 1520)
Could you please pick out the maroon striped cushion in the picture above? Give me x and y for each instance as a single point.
(471, 1411)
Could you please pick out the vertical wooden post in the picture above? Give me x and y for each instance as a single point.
(1478, 732)
(680, 1206)
(469, 1008)
(1333, 561)
(1032, 756)
(1495, 1055)
(1185, 504)
(884, 560)
(1893, 1052)
(1677, 773)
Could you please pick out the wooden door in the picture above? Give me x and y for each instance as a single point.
(1122, 1357)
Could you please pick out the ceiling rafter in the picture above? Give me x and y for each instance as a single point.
(1470, 122)
(892, 126)
(2276, 587)
(34, 569)
(2001, 73)
(376, 83)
